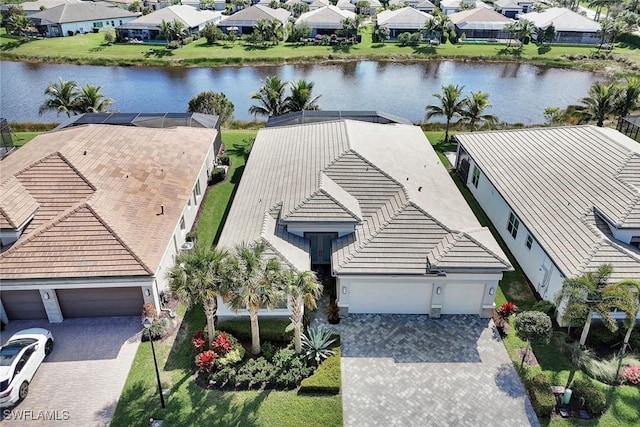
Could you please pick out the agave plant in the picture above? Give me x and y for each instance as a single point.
(316, 342)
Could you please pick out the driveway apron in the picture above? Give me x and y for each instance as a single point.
(402, 370)
(80, 382)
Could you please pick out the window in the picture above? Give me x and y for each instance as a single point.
(189, 202)
(513, 225)
(529, 242)
(97, 25)
(476, 176)
(182, 226)
(197, 189)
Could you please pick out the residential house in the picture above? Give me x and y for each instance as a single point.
(219, 5)
(480, 24)
(148, 120)
(313, 5)
(630, 126)
(374, 205)
(326, 20)
(565, 200)
(374, 5)
(91, 217)
(406, 19)
(31, 7)
(421, 5)
(570, 27)
(509, 8)
(246, 19)
(449, 7)
(79, 18)
(317, 116)
(346, 5)
(147, 27)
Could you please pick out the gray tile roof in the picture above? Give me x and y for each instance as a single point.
(327, 17)
(563, 183)
(189, 16)
(562, 19)
(249, 16)
(406, 17)
(80, 12)
(385, 177)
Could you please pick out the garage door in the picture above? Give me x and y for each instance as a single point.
(100, 302)
(398, 298)
(20, 305)
(461, 298)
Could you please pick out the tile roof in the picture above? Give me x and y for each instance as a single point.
(563, 183)
(472, 17)
(249, 16)
(16, 204)
(406, 17)
(121, 175)
(325, 17)
(407, 201)
(80, 12)
(562, 19)
(188, 15)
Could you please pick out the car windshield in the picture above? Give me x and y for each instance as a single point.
(4, 385)
(9, 352)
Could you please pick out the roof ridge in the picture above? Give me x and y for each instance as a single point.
(630, 156)
(266, 241)
(448, 246)
(6, 217)
(64, 159)
(493, 254)
(364, 159)
(321, 188)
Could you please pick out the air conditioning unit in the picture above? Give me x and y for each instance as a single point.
(436, 310)
(186, 246)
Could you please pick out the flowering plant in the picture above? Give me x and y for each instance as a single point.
(507, 309)
(631, 374)
(198, 340)
(206, 360)
(221, 345)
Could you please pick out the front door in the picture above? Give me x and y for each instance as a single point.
(320, 247)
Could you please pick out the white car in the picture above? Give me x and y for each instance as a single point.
(20, 358)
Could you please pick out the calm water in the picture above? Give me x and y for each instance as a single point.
(519, 92)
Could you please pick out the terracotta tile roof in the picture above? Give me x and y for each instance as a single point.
(122, 174)
(16, 204)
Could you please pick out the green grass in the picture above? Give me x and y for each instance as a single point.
(91, 49)
(21, 138)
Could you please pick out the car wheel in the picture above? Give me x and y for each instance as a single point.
(24, 390)
(48, 347)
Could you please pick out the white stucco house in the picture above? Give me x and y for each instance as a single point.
(92, 216)
(326, 20)
(570, 26)
(405, 19)
(449, 7)
(374, 204)
(565, 200)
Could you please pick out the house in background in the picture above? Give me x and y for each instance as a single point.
(449, 7)
(79, 18)
(397, 235)
(406, 19)
(346, 5)
(480, 24)
(509, 8)
(570, 27)
(246, 19)
(31, 7)
(562, 219)
(147, 27)
(421, 5)
(92, 216)
(219, 5)
(374, 5)
(327, 20)
(630, 126)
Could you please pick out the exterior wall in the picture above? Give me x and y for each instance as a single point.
(577, 37)
(224, 312)
(535, 263)
(88, 26)
(300, 228)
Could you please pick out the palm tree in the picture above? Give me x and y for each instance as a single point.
(451, 104)
(525, 29)
(632, 310)
(600, 102)
(628, 97)
(91, 100)
(253, 282)
(61, 97)
(591, 293)
(198, 277)
(166, 30)
(301, 97)
(304, 290)
(270, 97)
(473, 113)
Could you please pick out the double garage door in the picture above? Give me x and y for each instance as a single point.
(92, 302)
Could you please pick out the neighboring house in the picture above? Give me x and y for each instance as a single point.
(317, 116)
(220, 5)
(79, 18)
(374, 5)
(570, 27)
(509, 8)
(6, 140)
(480, 24)
(147, 27)
(346, 5)
(449, 7)
(374, 204)
(315, 4)
(31, 7)
(244, 20)
(421, 5)
(326, 20)
(565, 200)
(91, 218)
(404, 20)
(630, 126)
(147, 120)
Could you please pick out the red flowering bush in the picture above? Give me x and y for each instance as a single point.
(631, 374)
(206, 360)
(221, 345)
(198, 340)
(507, 309)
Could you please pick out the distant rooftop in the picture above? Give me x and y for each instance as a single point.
(317, 116)
(147, 120)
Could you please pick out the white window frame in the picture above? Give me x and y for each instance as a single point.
(513, 224)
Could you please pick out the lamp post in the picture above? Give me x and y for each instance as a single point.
(147, 323)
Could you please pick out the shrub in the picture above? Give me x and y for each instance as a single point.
(542, 398)
(326, 379)
(230, 351)
(316, 343)
(268, 351)
(149, 310)
(606, 370)
(631, 375)
(291, 369)
(157, 331)
(217, 175)
(192, 236)
(198, 340)
(507, 309)
(221, 344)
(233, 357)
(223, 160)
(255, 371)
(206, 360)
(546, 307)
(187, 40)
(415, 38)
(404, 39)
(594, 400)
(173, 45)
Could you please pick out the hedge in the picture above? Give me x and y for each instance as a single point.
(270, 329)
(326, 379)
(541, 396)
(594, 400)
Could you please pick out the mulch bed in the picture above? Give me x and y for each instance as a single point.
(530, 359)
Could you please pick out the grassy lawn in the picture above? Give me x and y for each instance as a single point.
(91, 49)
(188, 404)
(21, 138)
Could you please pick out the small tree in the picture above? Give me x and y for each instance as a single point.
(210, 102)
(553, 115)
(109, 36)
(534, 327)
(212, 33)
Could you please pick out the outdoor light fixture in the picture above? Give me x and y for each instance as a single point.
(147, 292)
(344, 289)
(147, 323)
(492, 291)
(438, 290)
(46, 295)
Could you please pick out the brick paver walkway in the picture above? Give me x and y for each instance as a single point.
(79, 384)
(401, 370)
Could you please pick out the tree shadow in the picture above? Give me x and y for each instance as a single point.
(132, 406)
(235, 179)
(158, 52)
(12, 44)
(424, 50)
(545, 48)
(508, 381)
(512, 51)
(98, 48)
(343, 48)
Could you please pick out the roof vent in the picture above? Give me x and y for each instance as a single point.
(186, 246)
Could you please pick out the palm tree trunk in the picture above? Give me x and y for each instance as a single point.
(297, 313)
(627, 336)
(446, 130)
(585, 329)
(210, 310)
(255, 330)
(524, 355)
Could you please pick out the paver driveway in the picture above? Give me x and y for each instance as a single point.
(400, 370)
(80, 382)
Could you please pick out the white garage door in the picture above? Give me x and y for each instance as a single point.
(393, 297)
(461, 298)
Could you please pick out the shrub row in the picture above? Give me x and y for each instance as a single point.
(157, 331)
(594, 400)
(326, 379)
(542, 398)
(270, 330)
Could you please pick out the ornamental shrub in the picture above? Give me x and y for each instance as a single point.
(631, 375)
(221, 344)
(157, 331)
(223, 160)
(149, 310)
(198, 340)
(316, 344)
(546, 307)
(326, 379)
(217, 175)
(206, 360)
(507, 309)
(542, 399)
(230, 351)
(594, 400)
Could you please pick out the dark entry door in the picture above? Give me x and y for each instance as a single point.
(321, 247)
